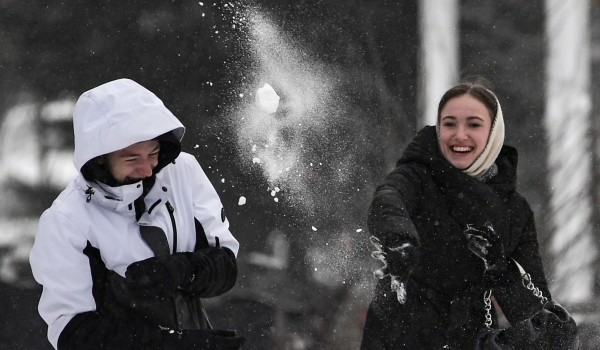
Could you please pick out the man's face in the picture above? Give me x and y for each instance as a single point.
(133, 163)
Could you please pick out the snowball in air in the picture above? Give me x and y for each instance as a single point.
(242, 200)
(267, 99)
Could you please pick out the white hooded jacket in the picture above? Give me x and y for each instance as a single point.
(88, 213)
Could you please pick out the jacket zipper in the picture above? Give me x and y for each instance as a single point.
(177, 300)
(172, 215)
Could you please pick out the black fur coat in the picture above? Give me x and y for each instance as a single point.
(427, 201)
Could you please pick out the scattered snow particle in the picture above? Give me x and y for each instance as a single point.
(276, 199)
(359, 230)
(241, 95)
(256, 160)
(253, 148)
(277, 189)
(273, 193)
(201, 3)
(242, 200)
(313, 228)
(222, 180)
(196, 146)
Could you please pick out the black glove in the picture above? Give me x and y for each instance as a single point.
(204, 340)
(157, 309)
(398, 263)
(160, 276)
(486, 244)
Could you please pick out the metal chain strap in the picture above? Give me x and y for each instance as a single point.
(527, 283)
(487, 300)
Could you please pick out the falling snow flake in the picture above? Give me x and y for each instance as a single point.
(242, 200)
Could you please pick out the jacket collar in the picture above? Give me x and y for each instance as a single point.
(119, 198)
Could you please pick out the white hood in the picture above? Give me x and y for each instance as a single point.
(116, 115)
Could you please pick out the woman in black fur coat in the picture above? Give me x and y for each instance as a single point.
(446, 224)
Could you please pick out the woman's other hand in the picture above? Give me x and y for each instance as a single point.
(398, 263)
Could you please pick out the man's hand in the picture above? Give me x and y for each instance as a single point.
(159, 276)
(398, 262)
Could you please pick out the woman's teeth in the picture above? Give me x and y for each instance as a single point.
(461, 149)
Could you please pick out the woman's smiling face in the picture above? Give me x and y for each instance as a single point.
(465, 125)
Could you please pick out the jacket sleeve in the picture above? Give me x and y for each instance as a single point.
(211, 221)
(59, 264)
(92, 330)
(389, 212)
(516, 301)
(216, 248)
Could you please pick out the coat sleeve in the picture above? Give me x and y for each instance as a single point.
(94, 331)
(389, 212)
(208, 209)
(216, 247)
(516, 301)
(59, 264)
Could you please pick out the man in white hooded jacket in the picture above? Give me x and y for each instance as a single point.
(127, 250)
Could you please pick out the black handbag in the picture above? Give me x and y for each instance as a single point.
(550, 328)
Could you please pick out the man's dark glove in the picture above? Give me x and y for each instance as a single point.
(486, 244)
(204, 339)
(159, 276)
(398, 262)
